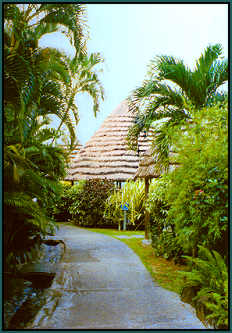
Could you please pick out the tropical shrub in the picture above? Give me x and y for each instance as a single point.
(156, 203)
(31, 184)
(197, 192)
(34, 87)
(163, 236)
(209, 278)
(87, 202)
(132, 193)
(166, 245)
(59, 210)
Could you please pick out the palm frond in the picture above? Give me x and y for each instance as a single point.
(208, 57)
(71, 16)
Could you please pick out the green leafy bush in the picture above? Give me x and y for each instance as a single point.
(87, 202)
(197, 191)
(131, 193)
(163, 235)
(156, 203)
(60, 210)
(31, 185)
(166, 245)
(209, 279)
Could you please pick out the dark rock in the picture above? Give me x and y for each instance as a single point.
(40, 274)
(188, 293)
(201, 309)
(39, 279)
(27, 311)
(52, 242)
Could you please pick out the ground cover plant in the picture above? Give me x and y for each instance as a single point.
(209, 280)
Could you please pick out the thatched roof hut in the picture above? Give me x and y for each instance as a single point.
(147, 166)
(106, 154)
(147, 170)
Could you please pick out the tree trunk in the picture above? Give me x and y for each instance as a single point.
(147, 214)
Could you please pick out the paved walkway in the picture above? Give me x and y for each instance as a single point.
(102, 284)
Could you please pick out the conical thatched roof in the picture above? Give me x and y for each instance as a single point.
(147, 165)
(106, 154)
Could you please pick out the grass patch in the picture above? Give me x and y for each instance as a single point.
(163, 271)
(115, 233)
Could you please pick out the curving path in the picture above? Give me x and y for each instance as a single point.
(102, 284)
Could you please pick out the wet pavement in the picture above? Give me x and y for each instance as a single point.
(102, 284)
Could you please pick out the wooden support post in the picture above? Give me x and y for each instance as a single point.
(147, 215)
(118, 187)
(125, 220)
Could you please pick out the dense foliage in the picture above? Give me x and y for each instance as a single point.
(189, 208)
(89, 204)
(209, 279)
(131, 194)
(84, 203)
(39, 83)
(198, 188)
(192, 201)
(163, 235)
(97, 203)
(59, 209)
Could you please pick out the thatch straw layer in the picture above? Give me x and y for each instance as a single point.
(106, 154)
(148, 165)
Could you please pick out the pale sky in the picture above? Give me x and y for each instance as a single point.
(128, 36)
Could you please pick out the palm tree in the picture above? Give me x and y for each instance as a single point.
(84, 79)
(37, 83)
(172, 90)
(29, 69)
(27, 23)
